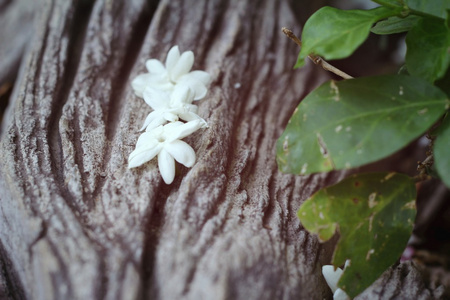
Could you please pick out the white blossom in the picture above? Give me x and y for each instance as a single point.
(177, 70)
(169, 107)
(332, 277)
(165, 142)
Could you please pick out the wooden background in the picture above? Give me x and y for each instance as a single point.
(77, 224)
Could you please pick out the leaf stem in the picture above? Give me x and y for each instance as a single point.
(315, 58)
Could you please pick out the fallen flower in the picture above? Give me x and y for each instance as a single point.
(169, 107)
(165, 142)
(177, 70)
(332, 277)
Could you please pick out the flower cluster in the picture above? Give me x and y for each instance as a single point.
(169, 90)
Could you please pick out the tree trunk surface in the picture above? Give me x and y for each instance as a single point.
(76, 223)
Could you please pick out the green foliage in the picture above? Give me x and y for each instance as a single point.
(353, 122)
(436, 8)
(441, 152)
(395, 25)
(374, 215)
(428, 44)
(333, 33)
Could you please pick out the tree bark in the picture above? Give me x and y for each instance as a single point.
(78, 224)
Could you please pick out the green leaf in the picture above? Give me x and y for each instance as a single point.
(428, 46)
(441, 152)
(436, 8)
(353, 122)
(374, 214)
(333, 33)
(447, 20)
(442, 83)
(395, 25)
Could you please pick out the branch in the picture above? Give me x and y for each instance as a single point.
(315, 58)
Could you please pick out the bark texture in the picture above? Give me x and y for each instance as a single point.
(77, 224)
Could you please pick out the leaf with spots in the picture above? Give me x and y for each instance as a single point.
(374, 214)
(354, 122)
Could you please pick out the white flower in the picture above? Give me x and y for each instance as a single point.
(332, 277)
(176, 71)
(165, 142)
(169, 107)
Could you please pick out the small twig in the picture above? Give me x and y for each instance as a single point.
(316, 59)
(424, 166)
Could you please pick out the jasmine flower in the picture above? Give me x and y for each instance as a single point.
(332, 277)
(169, 107)
(177, 70)
(165, 142)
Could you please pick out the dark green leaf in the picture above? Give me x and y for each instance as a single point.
(333, 33)
(436, 7)
(395, 25)
(353, 122)
(428, 46)
(447, 20)
(374, 214)
(443, 83)
(442, 152)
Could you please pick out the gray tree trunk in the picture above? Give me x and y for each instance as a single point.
(77, 224)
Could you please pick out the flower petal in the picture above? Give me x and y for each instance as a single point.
(170, 116)
(139, 83)
(181, 94)
(166, 165)
(157, 99)
(197, 86)
(202, 76)
(182, 152)
(189, 116)
(180, 131)
(146, 140)
(332, 276)
(172, 58)
(142, 155)
(154, 121)
(340, 294)
(151, 116)
(154, 66)
(183, 65)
